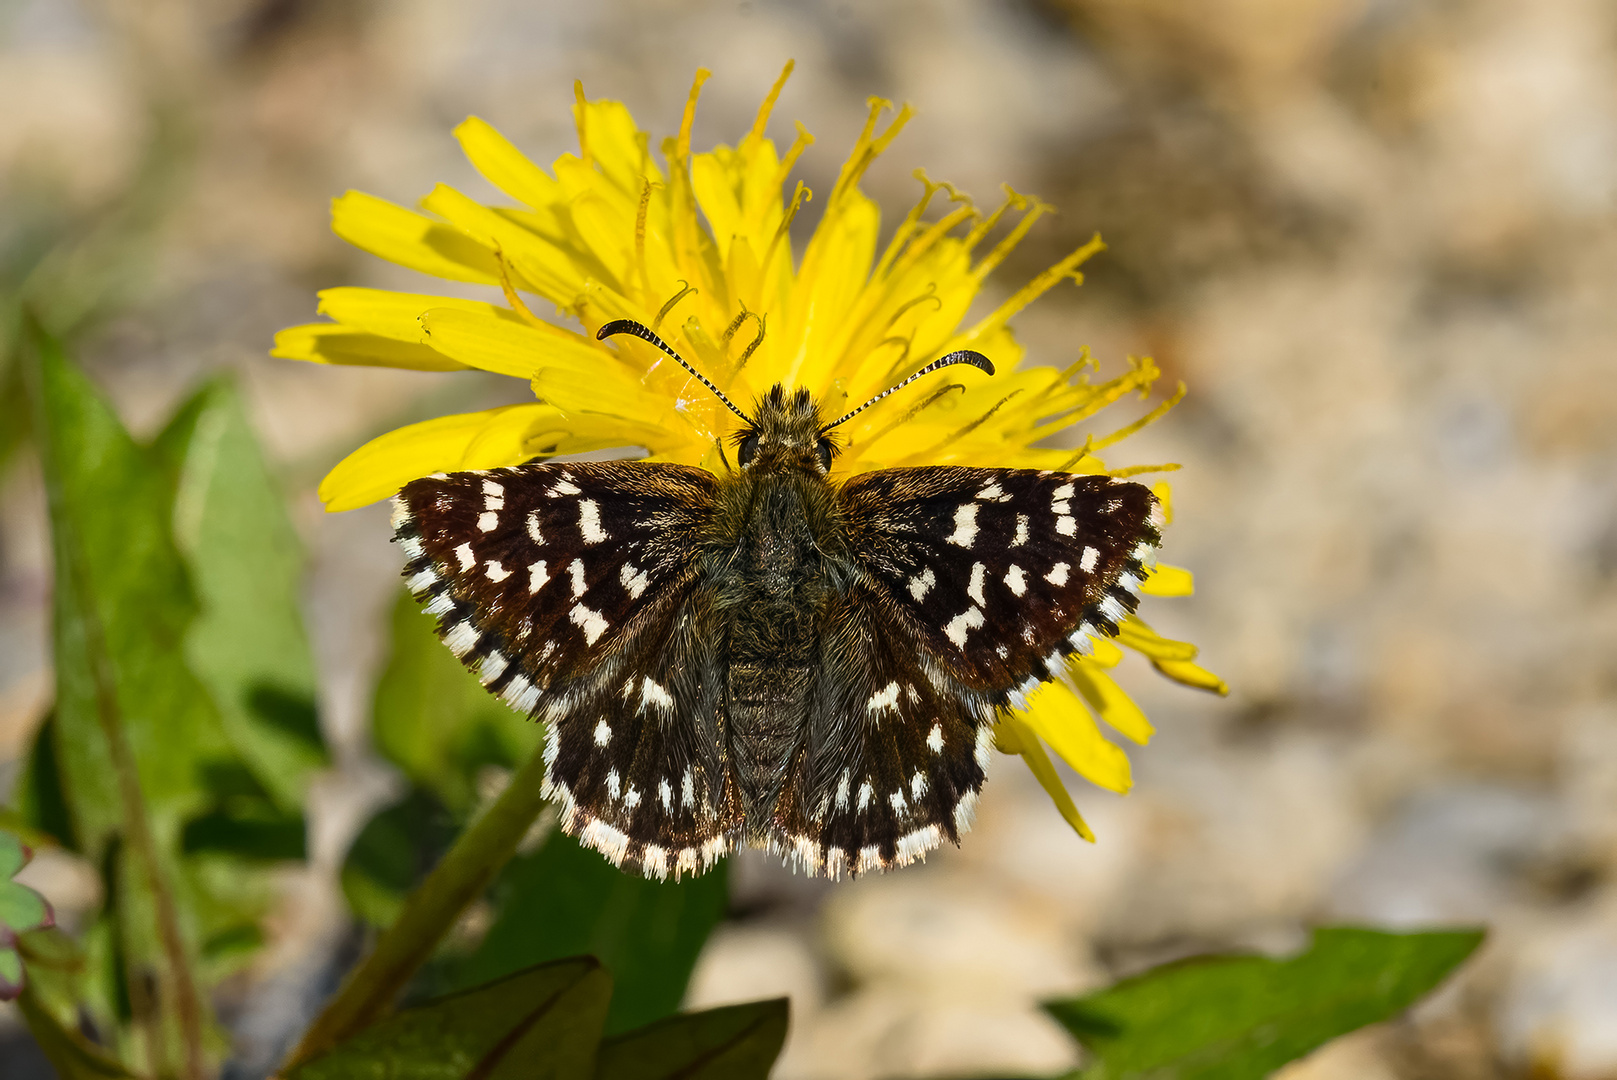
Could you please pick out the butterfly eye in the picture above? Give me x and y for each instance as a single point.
(748, 451)
(825, 455)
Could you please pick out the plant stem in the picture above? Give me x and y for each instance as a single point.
(460, 877)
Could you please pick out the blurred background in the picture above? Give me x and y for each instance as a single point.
(1377, 238)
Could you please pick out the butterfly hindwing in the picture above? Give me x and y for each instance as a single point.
(999, 573)
(892, 760)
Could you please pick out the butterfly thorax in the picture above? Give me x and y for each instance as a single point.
(775, 558)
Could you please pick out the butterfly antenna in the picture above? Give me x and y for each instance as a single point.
(964, 356)
(640, 330)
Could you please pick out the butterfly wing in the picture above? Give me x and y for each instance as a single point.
(972, 586)
(1001, 573)
(572, 591)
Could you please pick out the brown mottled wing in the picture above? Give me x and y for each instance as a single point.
(572, 591)
(972, 585)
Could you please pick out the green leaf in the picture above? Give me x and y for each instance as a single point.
(436, 722)
(39, 801)
(565, 900)
(738, 1042)
(70, 1054)
(1234, 1017)
(123, 607)
(392, 853)
(539, 1024)
(248, 643)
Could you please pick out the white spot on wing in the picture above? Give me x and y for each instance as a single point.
(492, 667)
(603, 733)
(975, 589)
(654, 693)
(993, 493)
(533, 527)
(665, 793)
(965, 526)
(461, 637)
(1021, 531)
(614, 784)
(422, 581)
(985, 746)
(591, 622)
(589, 521)
(865, 792)
(921, 583)
(898, 803)
(961, 624)
(1091, 556)
(632, 799)
(885, 698)
(934, 739)
(537, 576)
(1067, 526)
(1016, 580)
(464, 556)
(917, 785)
(1063, 492)
(411, 545)
(576, 569)
(842, 791)
(562, 488)
(495, 571)
(1057, 574)
(488, 521)
(520, 694)
(634, 580)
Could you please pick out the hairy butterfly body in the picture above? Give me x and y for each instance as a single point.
(770, 658)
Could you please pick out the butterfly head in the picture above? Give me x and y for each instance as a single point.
(785, 434)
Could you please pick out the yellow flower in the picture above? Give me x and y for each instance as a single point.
(702, 249)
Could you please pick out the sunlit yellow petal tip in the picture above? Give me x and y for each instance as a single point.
(699, 244)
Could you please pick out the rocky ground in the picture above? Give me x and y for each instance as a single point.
(1373, 236)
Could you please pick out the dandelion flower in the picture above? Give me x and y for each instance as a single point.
(699, 248)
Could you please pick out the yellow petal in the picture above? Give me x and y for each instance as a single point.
(1014, 732)
(412, 240)
(1142, 639)
(1168, 580)
(1111, 703)
(505, 345)
(504, 166)
(534, 262)
(1104, 653)
(1061, 720)
(1189, 674)
(332, 343)
(396, 314)
(379, 468)
(1164, 493)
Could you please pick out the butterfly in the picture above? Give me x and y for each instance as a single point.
(771, 657)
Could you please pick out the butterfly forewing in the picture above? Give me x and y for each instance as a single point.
(999, 573)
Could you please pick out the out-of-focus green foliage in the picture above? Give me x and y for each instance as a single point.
(21, 910)
(182, 735)
(545, 1023)
(738, 1042)
(542, 1023)
(648, 933)
(1242, 1017)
